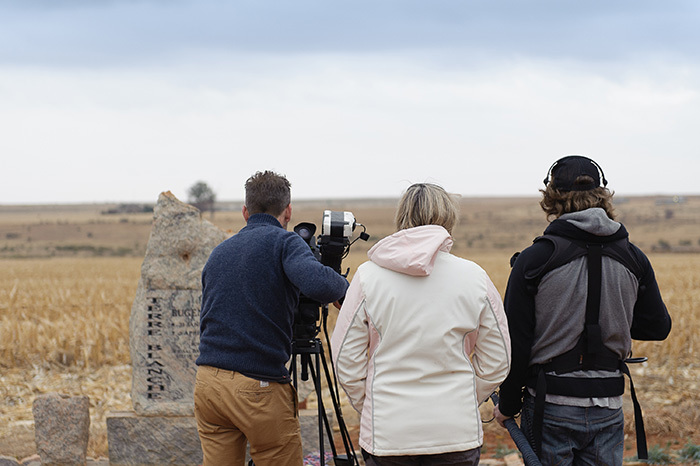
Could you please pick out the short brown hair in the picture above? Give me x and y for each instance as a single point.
(426, 204)
(267, 193)
(556, 203)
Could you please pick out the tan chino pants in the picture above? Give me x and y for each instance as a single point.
(232, 409)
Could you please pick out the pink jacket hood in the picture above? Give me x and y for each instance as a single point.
(411, 251)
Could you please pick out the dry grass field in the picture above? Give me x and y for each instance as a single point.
(68, 275)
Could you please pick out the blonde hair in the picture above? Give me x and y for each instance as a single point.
(556, 203)
(426, 204)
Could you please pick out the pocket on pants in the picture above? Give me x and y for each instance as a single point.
(255, 395)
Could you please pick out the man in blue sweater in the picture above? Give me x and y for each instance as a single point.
(250, 290)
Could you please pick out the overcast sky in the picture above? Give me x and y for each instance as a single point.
(119, 100)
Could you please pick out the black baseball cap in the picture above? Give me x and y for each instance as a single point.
(565, 171)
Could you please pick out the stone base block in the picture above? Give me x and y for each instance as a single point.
(61, 428)
(136, 440)
(152, 440)
(308, 421)
(8, 461)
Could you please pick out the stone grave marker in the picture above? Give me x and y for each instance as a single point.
(164, 323)
(164, 341)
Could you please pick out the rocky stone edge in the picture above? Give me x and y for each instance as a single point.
(35, 460)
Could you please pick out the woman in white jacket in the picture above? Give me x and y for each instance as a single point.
(420, 341)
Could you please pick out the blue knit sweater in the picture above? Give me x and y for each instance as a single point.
(250, 290)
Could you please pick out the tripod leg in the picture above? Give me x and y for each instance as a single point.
(335, 397)
(314, 367)
(322, 410)
(305, 361)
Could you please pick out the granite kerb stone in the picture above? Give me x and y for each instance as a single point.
(61, 428)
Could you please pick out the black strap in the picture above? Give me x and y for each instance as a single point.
(566, 250)
(593, 387)
(595, 277)
(573, 360)
(642, 452)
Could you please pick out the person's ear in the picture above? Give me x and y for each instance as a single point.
(246, 214)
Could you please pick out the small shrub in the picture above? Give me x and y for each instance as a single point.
(690, 452)
(658, 455)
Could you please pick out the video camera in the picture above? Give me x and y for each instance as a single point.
(332, 247)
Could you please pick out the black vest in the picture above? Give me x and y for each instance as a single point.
(589, 353)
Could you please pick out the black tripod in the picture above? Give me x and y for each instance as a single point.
(312, 361)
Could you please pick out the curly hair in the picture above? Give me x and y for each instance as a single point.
(556, 203)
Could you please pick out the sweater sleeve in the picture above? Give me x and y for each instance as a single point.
(519, 305)
(313, 279)
(350, 345)
(651, 320)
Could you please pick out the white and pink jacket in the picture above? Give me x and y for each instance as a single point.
(421, 340)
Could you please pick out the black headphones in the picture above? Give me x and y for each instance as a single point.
(569, 157)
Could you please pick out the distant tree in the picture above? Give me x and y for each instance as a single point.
(202, 196)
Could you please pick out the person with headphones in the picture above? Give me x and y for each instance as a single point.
(575, 299)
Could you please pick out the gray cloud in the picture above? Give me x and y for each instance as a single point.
(131, 32)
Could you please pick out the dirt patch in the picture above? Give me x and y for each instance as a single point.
(18, 443)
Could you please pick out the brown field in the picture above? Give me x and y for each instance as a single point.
(68, 275)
